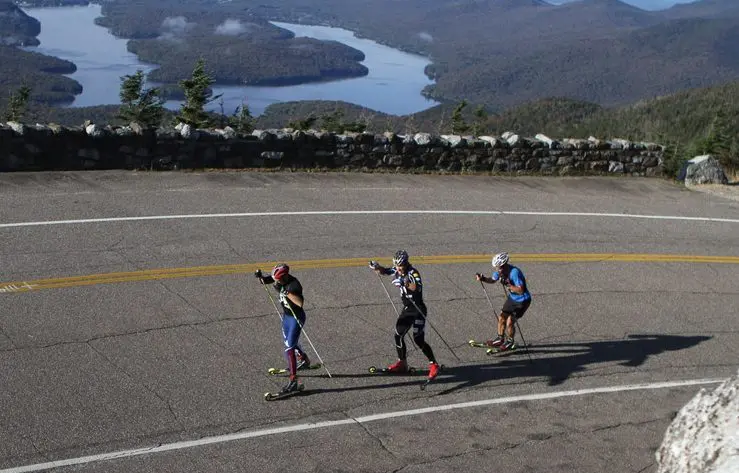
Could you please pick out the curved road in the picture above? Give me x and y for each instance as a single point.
(134, 338)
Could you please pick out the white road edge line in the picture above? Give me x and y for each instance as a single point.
(358, 420)
(367, 212)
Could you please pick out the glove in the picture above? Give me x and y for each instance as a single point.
(505, 281)
(374, 264)
(399, 282)
(258, 275)
(479, 276)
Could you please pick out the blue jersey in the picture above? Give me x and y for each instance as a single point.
(516, 278)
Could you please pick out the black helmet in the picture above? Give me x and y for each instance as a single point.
(400, 258)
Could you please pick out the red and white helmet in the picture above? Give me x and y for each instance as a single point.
(280, 271)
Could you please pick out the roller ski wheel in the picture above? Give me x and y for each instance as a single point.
(499, 352)
(277, 371)
(410, 370)
(279, 395)
(476, 344)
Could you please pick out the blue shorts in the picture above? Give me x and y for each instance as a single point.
(291, 329)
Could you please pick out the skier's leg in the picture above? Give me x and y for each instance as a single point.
(402, 325)
(419, 337)
(291, 329)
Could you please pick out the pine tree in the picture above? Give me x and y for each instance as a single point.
(718, 139)
(480, 124)
(332, 122)
(143, 106)
(18, 104)
(242, 121)
(197, 96)
(459, 125)
(303, 124)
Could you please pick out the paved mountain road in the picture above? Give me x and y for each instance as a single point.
(130, 344)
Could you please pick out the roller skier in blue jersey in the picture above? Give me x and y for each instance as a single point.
(408, 280)
(516, 304)
(293, 318)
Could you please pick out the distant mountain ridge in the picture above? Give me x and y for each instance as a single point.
(648, 5)
(500, 53)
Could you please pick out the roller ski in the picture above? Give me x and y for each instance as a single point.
(277, 371)
(505, 348)
(476, 344)
(291, 389)
(389, 370)
(399, 367)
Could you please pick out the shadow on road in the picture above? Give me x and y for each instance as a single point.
(555, 361)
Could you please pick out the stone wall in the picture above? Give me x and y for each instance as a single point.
(51, 147)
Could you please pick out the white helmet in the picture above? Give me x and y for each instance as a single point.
(500, 259)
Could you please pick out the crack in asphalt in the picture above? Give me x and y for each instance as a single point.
(136, 332)
(649, 466)
(143, 385)
(12, 342)
(184, 299)
(376, 438)
(539, 439)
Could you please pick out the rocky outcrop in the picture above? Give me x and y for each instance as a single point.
(704, 169)
(704, 436)
(51, 147)
(16, 27)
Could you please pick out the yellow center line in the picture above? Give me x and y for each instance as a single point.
(225, 269)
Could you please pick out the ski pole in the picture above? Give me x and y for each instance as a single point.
(392, 303)
(433, 328)
(301, 329)
(279, 314)
(489, 301)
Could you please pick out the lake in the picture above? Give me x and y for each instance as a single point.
(393, 85)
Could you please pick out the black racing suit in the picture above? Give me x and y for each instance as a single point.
(413, 314)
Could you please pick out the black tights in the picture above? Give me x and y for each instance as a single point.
(402, 326)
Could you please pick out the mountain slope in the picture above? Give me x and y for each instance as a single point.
(704, 9)
(16, 27)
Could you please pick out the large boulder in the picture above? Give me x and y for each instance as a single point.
(704, 169)
(704, 436)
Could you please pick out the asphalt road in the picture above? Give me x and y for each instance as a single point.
(143, 345)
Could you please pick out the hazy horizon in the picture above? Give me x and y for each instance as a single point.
(643, 4)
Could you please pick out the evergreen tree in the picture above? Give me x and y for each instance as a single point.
(459, 125)
(719, 138)
(480, 124)
(303, 124)
(242, 121)
(143, 106)
(332, 122)
(18, 104)
(197, 96)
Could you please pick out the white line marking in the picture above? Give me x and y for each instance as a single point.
(367, 212)
(358, 420)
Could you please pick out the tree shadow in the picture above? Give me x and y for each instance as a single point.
(560, 362)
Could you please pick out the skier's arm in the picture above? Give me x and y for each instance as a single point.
(515, 289)
(379, 269)
(488, 280)
(295, 299)
(263, 279)
(413, 279)
(515, 283)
